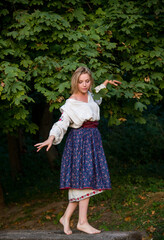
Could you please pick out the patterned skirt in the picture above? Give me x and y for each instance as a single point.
(84, 165)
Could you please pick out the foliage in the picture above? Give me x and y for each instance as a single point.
(43, 42)
(133, 143)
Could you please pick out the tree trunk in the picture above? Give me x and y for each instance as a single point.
(1, 198)
(45, 126)
(14, 155)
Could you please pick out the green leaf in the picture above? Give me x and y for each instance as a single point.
(100, 94)
(139, 106)
(99, 11)
(100, 71)
(140, 120)
(129, 94)
(162, 85)
(17, 86)
(157, 75)
(21, 114)
(155, 54)
(113, 121)
(140, 85)
(32, 128)
(78, 45)
(1, 89)
(64, 85)
(4, 12)
(79, 14)
(111, 45)
(126, 65)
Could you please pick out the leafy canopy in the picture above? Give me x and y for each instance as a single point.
(43, 42)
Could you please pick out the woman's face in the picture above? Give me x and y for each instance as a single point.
(84, 83)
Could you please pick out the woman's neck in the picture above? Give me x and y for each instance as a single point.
(80, 96)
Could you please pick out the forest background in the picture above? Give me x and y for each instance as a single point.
(41, 44)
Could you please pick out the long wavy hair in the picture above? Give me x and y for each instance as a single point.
(75, 78)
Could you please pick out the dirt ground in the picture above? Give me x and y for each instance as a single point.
(43, 214)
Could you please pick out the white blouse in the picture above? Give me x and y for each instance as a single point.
(75, 113)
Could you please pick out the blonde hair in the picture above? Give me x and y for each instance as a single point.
(75, 78)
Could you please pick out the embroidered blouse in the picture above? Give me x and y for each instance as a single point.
(75, 113)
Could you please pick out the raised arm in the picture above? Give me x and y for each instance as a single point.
(112, 82)
(103, 85)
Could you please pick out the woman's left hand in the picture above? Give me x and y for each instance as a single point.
(112, 82)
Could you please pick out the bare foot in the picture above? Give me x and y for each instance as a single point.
(65, 224)
(87, 228)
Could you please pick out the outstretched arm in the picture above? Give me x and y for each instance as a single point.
(47, 143)
(56, 133)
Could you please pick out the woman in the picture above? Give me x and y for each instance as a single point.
(84, 169)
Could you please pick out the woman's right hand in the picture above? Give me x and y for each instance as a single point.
(48, 143)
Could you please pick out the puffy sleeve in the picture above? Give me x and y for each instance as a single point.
(97, 89)
(59, 128)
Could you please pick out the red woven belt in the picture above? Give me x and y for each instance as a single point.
(90, 124)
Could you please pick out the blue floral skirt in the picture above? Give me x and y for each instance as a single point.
(83, 162)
